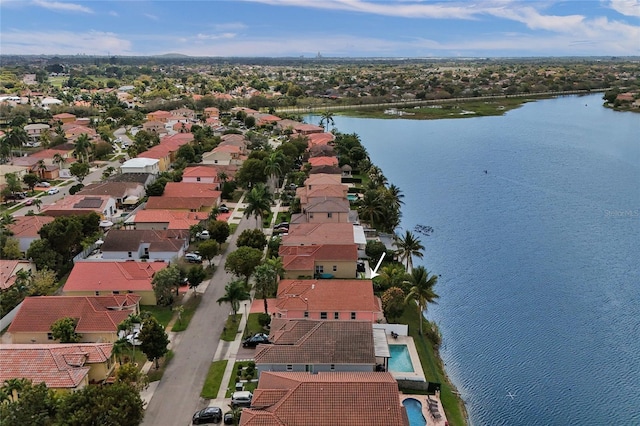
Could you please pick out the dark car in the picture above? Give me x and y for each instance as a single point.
(207, 415)
(254, 341)
(228, 418)
(222, 208)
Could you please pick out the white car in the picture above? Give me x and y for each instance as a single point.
(193, 258)
(204, 235)
(44, 184)
(53, 191)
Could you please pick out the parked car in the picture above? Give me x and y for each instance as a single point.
(44, 184)
(193, 258)
(29, 202)
(204, 235)
(228, 418)
(207, 415)
(252, 342)
(241, 399)
(223, 208)
(53, 191)
(282, 225)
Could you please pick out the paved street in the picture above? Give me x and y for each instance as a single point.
(177, 396)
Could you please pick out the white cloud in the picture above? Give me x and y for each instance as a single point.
(220, 36)
(626, 7)
(230, 26)
(61, 6)
(64, 43)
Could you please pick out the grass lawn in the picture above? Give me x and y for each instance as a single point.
(433, 368)
(155, 375)
(232, 229)
(189, 309)
(214, 379)
(231, 328)
(162, 313)
(249, 386)
(252, 326)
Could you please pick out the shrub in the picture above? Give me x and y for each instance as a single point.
(264, 319)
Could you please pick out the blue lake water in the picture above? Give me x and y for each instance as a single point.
(539, 257)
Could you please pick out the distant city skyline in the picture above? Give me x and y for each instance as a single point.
(330, 28)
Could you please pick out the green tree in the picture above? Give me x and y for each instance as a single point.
(79, 170)
(154, 340)
(43, 283)
(243, 262)
(209, 249)
(234, 293)
(59, 160)
(258, 201)
(41, 167)
(37, 405)
(12, 183)
(253, 238)
(131, 375)
(219, 231)
(64, 330)
(37, 202)
(374, 250)
(251, 173)
(120, 346)
(274, 167)
(11, 249)
(408, 246)
(44, 256)
(325, 119)
(421, 291)
(393, 303)
(187, 153)
(83, 148)
(371, 207)
(117, 404)
(164, 281)
(31, 180)
(196, 275)
(264, 279)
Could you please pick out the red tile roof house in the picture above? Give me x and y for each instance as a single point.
(168, 219)
(100, 278)
(309, 234)
(323, 179)
(98, 317)
(334, 190)
(325, 399)
(64, 117)
(323, 261)
(211, 112)
(321, 299)
(62, 367)
(323, 210)
(224, 154)
(320, 139)
(316, 346)
(154, 126)
(159, 115)
(166, 246)
(120, 191)
(103, 205)
(323, 161)
(9, 269)
(26, 229)
(203, 174)
(188, 196)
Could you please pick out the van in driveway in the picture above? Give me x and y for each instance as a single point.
(241, 399)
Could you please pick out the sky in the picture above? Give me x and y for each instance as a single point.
(330, 28)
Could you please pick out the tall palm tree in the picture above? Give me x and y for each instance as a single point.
(422, 290)
(16, 138)
(264, 278)
(394, 195)
(59, 160)
(37, 202)
(408, 246)
(13, 387)
(258, 201)
(273, 168)
(325, 119)
(371, 207)
(82, 148)
(234, 293)
(120, 346)
(42, 167)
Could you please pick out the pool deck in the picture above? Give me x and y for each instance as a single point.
(417, 374)
(442, 421)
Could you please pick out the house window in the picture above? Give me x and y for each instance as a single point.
(116, 292)
(310, 215)
(97, 293)
(323, 315)
(215, 161)
(353, 315)
(129, 254)
(335, 268)
(308, 368)
(50, 336)
(319, 269)
(332, 367)
(329, 215)
(306, 314)
(198, 179)
(336, 315)
(289, 367)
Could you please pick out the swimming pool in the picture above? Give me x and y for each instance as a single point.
(352, 197)
(400, 361)
(414, 412)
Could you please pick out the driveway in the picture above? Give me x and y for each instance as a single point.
(178, 394)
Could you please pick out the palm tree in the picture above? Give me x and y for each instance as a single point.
(13, 387)
(422, 290)
(59, 160)
(394, 195)
(409, 246)
(16, 138)
(264, 277)
(37, 202)
(235, 292)
(274, 164)
(42, 167)
(82, 148)
(371, 207)
(119, 348)
(258, 202)
(325, 119)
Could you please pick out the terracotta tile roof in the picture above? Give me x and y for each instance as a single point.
(323, 161)
(112, 276)
(180, 203)
(327, 342)
(94, 313)
(320, 138)
(191, 189)
(318, 233)
(63, 115)
(9, 268)
(78, 204)
(28, 226)
(337, 190)
(201, 171)
(227, 148)
(159, 240)
(49, 153)
(303, 258)
(114, 189)
(325, 399)
(327, 296)
(57, 365)
(322, 179)
(175, 219)
(330, 170)
(327, 205)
